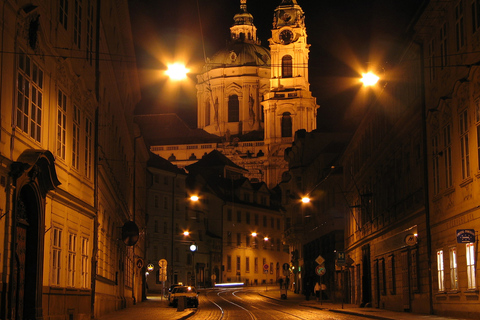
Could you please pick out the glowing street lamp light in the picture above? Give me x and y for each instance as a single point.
(194, 198)
(186, 233)
(305, 199)
(177, 71)
(369, 79)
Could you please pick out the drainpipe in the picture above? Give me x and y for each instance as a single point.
(95, 165)
(428, 233)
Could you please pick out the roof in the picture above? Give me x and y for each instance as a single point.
(240, 53)
(214, 159)
(155, 161)
(169, 129)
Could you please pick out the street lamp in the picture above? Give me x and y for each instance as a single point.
(177, 71)
(369, 79)
(193, 249)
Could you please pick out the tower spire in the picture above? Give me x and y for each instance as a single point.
(243, 28)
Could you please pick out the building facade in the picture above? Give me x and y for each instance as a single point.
(71, 160)
(315, 228)
(449, 34)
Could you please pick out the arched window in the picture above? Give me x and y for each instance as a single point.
(233, 108)
(286, 125)
(287, 67)
(207, 113)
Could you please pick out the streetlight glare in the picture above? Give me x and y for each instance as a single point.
(194, 198)
(186, 233)
(177, 71)
(305, 199)
(369, 79)
(254, 234)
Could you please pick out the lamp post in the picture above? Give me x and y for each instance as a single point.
(193, 249)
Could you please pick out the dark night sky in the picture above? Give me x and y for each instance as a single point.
(345, 35)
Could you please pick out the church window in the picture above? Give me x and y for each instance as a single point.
(207, 113)
(287, 67)
(286, 125)
(233, 108)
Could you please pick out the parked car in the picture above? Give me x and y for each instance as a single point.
(190, 294)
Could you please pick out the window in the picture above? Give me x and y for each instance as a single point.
(233, 108)
(470, 254)
(56, 256)
(391, 274)
(77, 24)
(256, 218)
(239, 216)
(72, 244)
(247, 241)
(155, 226)
(165, 227)
(453, 269)
(272, 223)
(255, 265)
(156, 201)
(286, 125)
(85, 279)
(207, 113)
(229, 263)
(63, 14)
(431, 58)
(61, 124)
(435, 166)
(265, 221)
(465, 154)
(76, 137)
(443, 46)
(88, 147)
(247, 217)
(229, 238)
(238, 264)
(89, 35)
(239, 239)
(229, 214)
(278, 223)
(29, 97)
(440, 271)
(459, 25)
(287, 67)
(447, 140)
(475, 15)
(247, 264)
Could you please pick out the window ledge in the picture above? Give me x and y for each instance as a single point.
(466, 182)
(471, 292)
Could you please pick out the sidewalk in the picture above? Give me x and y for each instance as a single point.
(152, 308)
(371, 313)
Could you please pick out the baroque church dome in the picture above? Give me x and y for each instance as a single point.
(240, 53)
(244, 47)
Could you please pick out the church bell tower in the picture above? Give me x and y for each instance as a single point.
(288, 105)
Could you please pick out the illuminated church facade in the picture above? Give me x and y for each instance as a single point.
(250, 99)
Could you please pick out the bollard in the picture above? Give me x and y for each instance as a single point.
(181, 303)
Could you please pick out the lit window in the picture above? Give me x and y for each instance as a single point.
(453, 269)
(470, 254)
(61, 124)
(440, 271)
(56, 255)
(287, 67)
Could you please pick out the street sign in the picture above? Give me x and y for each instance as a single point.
(320, 260)
(465, 236)
(162, 263)
(341, 259)
(265, 266)
(150, 267)
(139, 263)
(320, 270)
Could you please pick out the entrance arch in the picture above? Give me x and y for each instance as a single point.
(33, 176)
